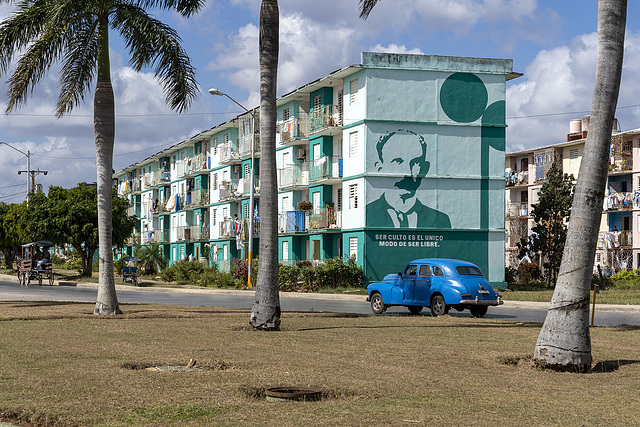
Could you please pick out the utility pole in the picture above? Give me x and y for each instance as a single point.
(28, 154)
(32, 177)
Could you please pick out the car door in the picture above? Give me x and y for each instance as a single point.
(422, 284)
(408, 283)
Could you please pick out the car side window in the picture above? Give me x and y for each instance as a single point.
(425, 270)
(437, 271)
(411, 270)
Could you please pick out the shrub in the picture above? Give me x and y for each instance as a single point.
(183, 272)
(624, 279)
(288, 276)
(119, 265)
(528, 272)
(510, 275)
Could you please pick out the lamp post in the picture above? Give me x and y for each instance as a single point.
(28, 154)
(217, 92)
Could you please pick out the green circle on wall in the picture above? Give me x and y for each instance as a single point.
(463, 97)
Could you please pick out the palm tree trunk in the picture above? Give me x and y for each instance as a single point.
(564, 341)
(104, 134)
(265, 314)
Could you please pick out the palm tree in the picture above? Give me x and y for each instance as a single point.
(151, 259)
(265, 313)
(366, 6)
(76, 32)
(564, 341)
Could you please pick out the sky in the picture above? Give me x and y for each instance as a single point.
(553, 43)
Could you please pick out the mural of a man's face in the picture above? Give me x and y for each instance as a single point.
(403, 153)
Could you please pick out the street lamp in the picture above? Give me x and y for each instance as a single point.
(28, 154)
(217, 92)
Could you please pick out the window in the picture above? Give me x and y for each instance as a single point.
(354, 91)
(353, 196)
(215, 181)
(215, 145)
(285, 251)
(353, 144)
(226, 138)
(247, 170)
(316, 202)
(573, 155)
(317, 104)
(467, 270)
(353, 248)
(245, 210)
(437, 271)
(225, 213)
(285, 114)
(339, 200)
(425, 270)
(524, 196)
(213, 216)
(340, 105)
(286, 159)
(285, 204)
(411, 270)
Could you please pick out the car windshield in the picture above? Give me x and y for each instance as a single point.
(467, 270)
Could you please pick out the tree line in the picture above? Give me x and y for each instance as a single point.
(63, 216)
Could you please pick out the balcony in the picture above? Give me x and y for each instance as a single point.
(513, 179)
(323, 219)
(150, 237)
(327, 169)
(244, 186)
(618, 202)
(133, 240)
(244, 145)
(327, 120)
(226, 228)
(621, 159)
(515, 210)
(229, 153)
(196, 198)
(293, 221)
(294, 131)
(192, 232)
(229, 190)
(294, 176)
(615, 240)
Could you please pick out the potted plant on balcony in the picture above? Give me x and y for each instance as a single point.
(305, 205)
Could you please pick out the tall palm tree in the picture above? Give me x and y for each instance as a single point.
(564, 341)
(265, 313)
(366, 6)
(76, 32)
(151, 259)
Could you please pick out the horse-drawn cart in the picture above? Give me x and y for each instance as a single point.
(34, 264)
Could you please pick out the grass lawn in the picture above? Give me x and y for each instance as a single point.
(608, 296)
(60, 365)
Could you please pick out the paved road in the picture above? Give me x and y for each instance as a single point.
(10, 290)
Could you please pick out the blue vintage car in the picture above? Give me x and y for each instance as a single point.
(437, 283)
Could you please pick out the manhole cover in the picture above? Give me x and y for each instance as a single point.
(277, 394)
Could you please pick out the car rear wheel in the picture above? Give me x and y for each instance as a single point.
(415, 309)
(438, 306)
(377, 305)
(478, 311)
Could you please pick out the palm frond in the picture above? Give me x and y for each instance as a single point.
(79, 65)
(183, 7)
(366, 6)
(152, 43)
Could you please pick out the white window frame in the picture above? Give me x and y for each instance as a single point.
(353, 144)
(353, 248)
(353, 95)
(353, 196)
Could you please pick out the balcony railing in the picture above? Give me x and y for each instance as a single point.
(244, 145)
(244, 186)
(229, 153)
(229, 190)
(192, 232)
(226, 228)
(327, 167)
(516, 178)
(327, 218)
(149, 237)
(614, 240)
(618, 201)
(293, 221)
(133, 240)
(293, 129)
(325, 117)
(294, 175)
(516, 210)
(196, 198)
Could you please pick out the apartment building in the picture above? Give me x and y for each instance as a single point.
(397, 158)
(525, 172)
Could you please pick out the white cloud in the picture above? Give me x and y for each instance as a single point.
(394, 48)
(558, 87)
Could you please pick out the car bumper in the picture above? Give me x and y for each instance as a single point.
(477, 301)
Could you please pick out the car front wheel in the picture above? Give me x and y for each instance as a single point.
(438, 306)
(478, 311)
(377, 305)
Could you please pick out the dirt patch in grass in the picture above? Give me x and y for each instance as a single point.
(61, 365)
